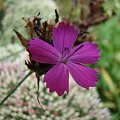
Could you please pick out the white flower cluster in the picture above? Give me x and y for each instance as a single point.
(16, 9)
(79, 104)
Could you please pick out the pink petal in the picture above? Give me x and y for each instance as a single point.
(57, 79)
(84, 76)
(43, 52)
(85, 53)
(64, 36)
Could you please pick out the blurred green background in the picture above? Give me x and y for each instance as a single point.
(100, 103)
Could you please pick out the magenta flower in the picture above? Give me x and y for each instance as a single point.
(65, 59)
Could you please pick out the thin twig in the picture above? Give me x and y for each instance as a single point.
(38, 82)
(57, 16)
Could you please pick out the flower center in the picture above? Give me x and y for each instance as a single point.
(65, 54)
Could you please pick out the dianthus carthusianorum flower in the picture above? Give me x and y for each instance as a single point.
(65, 59)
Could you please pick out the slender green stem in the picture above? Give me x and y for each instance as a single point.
(15, 88)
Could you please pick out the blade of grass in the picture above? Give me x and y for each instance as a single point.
(109, 81)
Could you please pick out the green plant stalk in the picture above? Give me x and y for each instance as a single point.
(15, 88)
